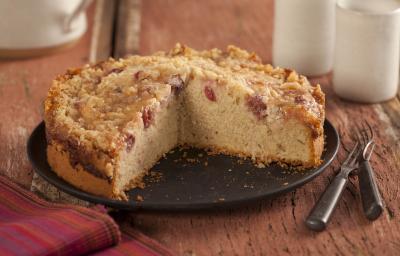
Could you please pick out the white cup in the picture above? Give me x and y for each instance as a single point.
(366, 62)
(32, 25)
(304, 35)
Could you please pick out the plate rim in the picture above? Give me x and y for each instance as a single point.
(135, 205)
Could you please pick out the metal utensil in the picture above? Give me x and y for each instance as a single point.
(371, 199)
(323, 209)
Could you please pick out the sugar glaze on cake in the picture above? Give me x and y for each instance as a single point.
(107, 124)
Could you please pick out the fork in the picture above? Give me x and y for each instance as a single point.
(370, 197)
(319, 216)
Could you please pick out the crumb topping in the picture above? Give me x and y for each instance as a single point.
(114, 96)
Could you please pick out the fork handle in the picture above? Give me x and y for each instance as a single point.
(319, 216)
(371, 198)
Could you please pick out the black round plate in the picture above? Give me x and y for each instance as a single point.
(189, 179)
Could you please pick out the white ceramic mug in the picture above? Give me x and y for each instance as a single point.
(304, 35)
(366, 63)
(40, 24)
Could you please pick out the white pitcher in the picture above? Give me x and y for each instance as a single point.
(366, 63)
(303, 36)
(28, 26)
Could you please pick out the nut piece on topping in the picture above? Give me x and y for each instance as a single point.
(257, 106)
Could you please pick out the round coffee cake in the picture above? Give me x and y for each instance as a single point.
(107, 124)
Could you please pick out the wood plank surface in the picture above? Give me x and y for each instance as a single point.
(270, 227)
(207, 24)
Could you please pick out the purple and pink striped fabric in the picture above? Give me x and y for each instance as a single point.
(30, 225)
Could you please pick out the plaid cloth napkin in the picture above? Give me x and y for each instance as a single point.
(32, 226)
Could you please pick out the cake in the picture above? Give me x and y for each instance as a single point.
(107, 124)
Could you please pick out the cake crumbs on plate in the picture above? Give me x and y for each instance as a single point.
(211, 152)
(260, 165)
(155, 176)
(192, 160)
(285, 184)
(240, 161)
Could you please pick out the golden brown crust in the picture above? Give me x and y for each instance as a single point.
(59, 159)
(81, 177)
(317, 146)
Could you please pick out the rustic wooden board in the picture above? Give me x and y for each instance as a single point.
(273, 227)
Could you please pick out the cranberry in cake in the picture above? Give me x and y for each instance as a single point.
(108, 124)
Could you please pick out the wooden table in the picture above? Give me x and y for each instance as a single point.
(274, 227)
